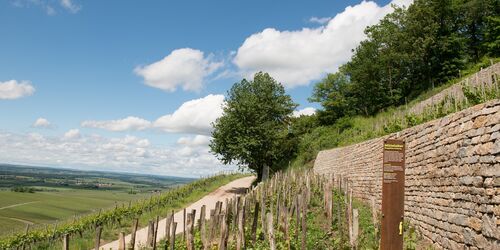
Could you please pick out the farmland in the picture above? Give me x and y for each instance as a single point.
(59, 195)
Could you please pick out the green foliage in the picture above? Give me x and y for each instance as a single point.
(23, 189)
(253, 130)
(408, 52)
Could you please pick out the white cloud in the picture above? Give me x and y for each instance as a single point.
(320, 20)
(49, 6)
(305, 111)
(194, 117)
(129, 123)
(298, 57)
(186, 68)
(42, 123)
(70, 6)
(94, 152)
(198, 140)
(72, 134)
(13, 89)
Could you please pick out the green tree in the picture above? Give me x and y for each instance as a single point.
(333, 93)
(253, 130)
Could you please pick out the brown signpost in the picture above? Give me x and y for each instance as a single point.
(393, 193)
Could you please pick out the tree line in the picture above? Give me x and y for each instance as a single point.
(409, 51)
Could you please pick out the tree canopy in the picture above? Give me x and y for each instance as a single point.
(253, 130)
(408, 52)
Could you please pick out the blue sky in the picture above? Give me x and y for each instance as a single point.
(133, 85)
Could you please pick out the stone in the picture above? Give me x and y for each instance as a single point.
(463, 152)
(471, 180)
(480, 121)
(484, 149)
(488, 182)
(475, 223)
(496, 148)
(489, 171)
(489, 227)
(495, 136)
(468, 236)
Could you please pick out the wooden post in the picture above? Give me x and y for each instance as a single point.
(184, 226)
(98, 237)
(240, 240)
(155, 233)
(66, 242)
(168, 222)
(223, 229)
(172, 239)
(189, 236)
(121, 241)
(263, 209)
(255, 221)
(134, 232)
(304, 217)
(271, 230)
(151, 226)
(297, 218)
(355, 228)
(203, 232)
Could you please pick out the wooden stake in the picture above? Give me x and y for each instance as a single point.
(184, 226)
(98, 237)
(172, 239)
(355, 228)
(223, 234)
(271, 230)
(134, 232)
(168, 222)
(240, 240)
(304, 216)
(189, 235)
(151, 226)
(121, 241)
(155, 234)
(255, 222)
(66, 242)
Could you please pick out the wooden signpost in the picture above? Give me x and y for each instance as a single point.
(393, 191)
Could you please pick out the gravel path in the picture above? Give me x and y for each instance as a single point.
(229, 190)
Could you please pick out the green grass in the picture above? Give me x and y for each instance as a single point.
(49, 207)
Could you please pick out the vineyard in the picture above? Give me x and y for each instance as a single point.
(293, 210)
(110, 223)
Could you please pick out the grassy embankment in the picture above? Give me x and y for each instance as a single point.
(351, 130)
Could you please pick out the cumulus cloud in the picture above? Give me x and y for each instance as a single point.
(193, 117)
(129, 123)
(297, 57)
(198, 140)
(305, 111)
(186, 68)
(94, 152)
(72, 134)
(13, 89)
(42, 123)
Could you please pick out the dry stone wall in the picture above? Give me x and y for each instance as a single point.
(452, 182)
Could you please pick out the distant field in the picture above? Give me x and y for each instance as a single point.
(61, 194)
(47, 207)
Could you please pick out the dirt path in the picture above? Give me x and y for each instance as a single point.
(229, 190)
(20, 204)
